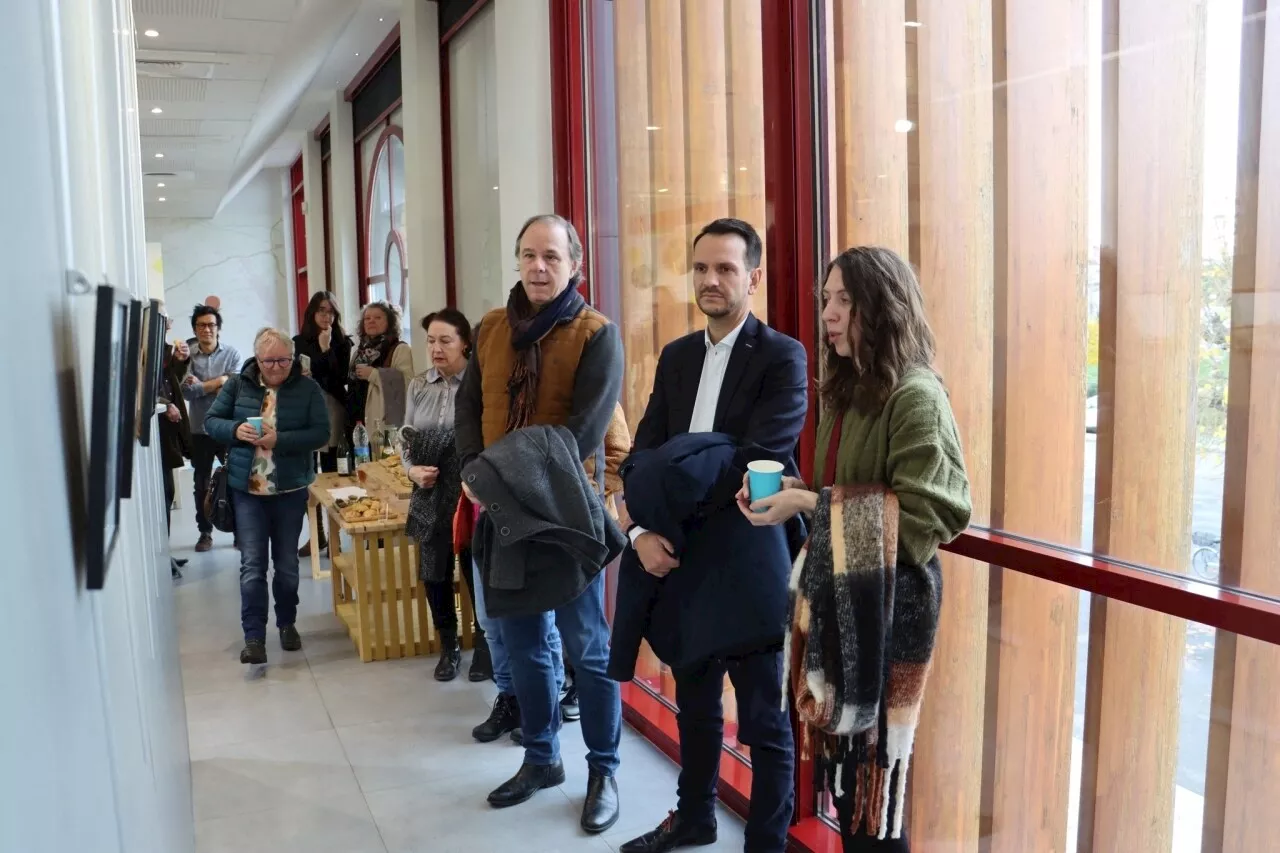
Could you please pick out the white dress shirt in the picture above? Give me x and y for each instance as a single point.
(714, 365)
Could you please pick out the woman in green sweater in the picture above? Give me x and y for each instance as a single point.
(888, 444)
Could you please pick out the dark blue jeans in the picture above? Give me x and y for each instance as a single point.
(762, 725)
(531, 649)
(268, 525)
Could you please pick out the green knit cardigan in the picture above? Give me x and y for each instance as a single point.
(911, 446)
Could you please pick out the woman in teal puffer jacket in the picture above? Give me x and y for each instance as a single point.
(268, 471)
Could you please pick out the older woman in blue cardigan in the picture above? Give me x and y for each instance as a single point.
(273, 419)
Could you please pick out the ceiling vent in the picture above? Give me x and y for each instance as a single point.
(187, 64)
(170, 68)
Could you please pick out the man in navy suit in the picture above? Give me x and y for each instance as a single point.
(745, 379)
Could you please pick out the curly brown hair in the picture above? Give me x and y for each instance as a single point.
(895, 337)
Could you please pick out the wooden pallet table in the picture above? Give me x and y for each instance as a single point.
(376, 589)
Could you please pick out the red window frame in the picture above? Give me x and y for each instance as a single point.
(298, 202)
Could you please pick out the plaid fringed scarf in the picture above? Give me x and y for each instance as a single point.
(858, 650)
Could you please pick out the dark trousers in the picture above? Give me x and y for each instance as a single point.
(268, 527)
(169, 491)
(203, 451)
(860, 842)
(763, 725)
(440, 600)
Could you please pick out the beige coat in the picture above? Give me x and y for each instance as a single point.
(375, 411)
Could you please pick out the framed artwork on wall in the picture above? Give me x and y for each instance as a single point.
(150, 369)
(128, 400)
(110, 430)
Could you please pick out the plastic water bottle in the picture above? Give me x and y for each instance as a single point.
(360, 442)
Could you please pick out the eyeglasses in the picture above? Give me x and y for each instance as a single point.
(206, 325)
(275, 362)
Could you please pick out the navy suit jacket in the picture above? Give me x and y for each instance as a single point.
(762, 406)
(763, 400)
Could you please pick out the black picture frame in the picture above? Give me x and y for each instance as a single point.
(151, 367)
(129, 397)
(107, 407)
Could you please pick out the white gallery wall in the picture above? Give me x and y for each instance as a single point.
(93, 736)
(238, 256)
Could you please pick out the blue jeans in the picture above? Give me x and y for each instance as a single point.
(497, 649)
(534, 659)
(268, 523)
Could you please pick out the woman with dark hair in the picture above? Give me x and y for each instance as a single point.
(431, 463)
(892, 488)
(328, 359)
(381, 369)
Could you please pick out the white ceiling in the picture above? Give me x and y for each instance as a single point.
(207, 70)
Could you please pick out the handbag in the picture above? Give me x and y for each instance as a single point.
(217, 502)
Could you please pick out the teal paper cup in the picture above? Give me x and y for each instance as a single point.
(764, 478)
(256, 423)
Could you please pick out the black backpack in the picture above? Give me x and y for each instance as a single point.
(217, 502)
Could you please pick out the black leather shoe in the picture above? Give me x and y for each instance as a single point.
(529, 780)
(481, 662)
(290, 641)
(254, 652)
(450, 659)
(601, 809)
(670, 834)
(569, 710)
(504, 717)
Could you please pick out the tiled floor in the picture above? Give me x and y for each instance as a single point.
(319, 753)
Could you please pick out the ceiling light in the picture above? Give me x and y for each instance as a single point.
(653, 127)
(742, 168)
(160, 199)
(913, 23)
(159, 156)
(664, 189)
(155, 111)
(495, 188)
(357, 54)
(151, 34)
(903, 125)
(161, 184)
(379, 20)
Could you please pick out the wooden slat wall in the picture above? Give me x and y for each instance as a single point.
(635, 219)
(956, 271)
(1041, 263)
(1153, 115)
(669, 179)
(706, 119)
(746, 130)
(870, 156)
(1243, 776)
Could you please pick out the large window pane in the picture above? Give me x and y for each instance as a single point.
(678, 141)
(483, 269)
(1085, 187)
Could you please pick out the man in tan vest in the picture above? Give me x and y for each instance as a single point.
(548, 358)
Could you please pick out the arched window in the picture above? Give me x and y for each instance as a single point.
(385, 262)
